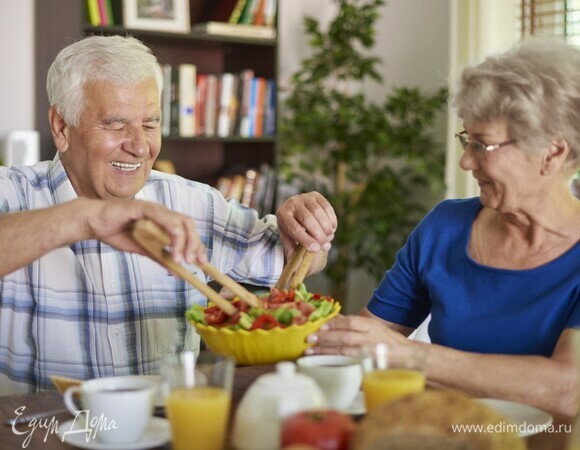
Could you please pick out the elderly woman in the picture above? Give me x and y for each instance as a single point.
(499, 274)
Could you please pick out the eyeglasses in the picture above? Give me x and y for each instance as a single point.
(478, 147)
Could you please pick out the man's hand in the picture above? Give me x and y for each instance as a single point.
(111, 221)
(306, 219)
(27, 235)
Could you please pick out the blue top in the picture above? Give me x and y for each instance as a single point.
(474, 307)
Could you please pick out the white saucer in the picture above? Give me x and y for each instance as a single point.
(156, 434)
(357, 407)
(529, 420)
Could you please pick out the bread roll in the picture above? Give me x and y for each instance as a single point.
(63, 383)
(424, 422)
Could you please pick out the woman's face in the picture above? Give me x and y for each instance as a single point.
(111, 152)
(509, 179)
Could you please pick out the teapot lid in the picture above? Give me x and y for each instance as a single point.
(285, 377)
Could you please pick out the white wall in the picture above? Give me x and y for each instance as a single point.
(412, 40)
(17, 59)
(413, 43)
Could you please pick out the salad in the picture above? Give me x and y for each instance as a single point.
(279, 309)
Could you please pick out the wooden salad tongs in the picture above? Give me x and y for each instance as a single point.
(154, 240)
(294, 272)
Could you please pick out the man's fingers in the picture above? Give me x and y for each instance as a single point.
(185, 241)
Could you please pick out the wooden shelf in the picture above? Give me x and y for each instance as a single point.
(191, 37)
(228, 139)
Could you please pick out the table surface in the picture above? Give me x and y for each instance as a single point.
(42, 438)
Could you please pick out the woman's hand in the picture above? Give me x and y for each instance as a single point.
(346, 334)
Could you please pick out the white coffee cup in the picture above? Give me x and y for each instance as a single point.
(339, 377)
(115, 410)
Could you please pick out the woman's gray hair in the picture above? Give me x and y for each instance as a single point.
(535, 87)
(115, 59)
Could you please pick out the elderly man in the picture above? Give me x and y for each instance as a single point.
(76, 298)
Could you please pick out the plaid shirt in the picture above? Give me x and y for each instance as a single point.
(88, 310)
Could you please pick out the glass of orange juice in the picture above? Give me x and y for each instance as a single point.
(387, 377)
(197, 402)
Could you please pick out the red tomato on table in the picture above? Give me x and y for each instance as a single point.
(322, 429)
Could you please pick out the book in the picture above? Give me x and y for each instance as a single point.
(249, 12)
(238, 10)
(247, 126)
(235, 29)
(258, 110)
(200, 100)
(234, 105)
(227, 90)
(165, 165)
(237, 187)
(103, 13)
(244, 87)
(266, 189)
(217, 103)
(93, 12)
(258, 18)
(270, 194)
(174, 103)
(187, 77)
(210, 105)
(270, 13)
(116, 11)
(249, 186)
(223, 185)
(259, 187)
(253, 127)
(166, 100)
(110, 13)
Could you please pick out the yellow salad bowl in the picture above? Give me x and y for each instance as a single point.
(253, 347)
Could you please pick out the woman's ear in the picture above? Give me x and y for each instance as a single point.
(554, 157)
(59, 129)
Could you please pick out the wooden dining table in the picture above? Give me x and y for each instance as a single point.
(22, 436)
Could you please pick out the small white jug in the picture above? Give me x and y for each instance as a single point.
(270, 399)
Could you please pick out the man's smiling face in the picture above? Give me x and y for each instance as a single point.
(111, 152)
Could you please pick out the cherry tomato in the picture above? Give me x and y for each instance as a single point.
(305, 308)
(265, 322)
(322, 429)
(233, 319)
(241, 306)
(277, 296)
(214, 315)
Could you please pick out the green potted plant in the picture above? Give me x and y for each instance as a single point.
(372, 160)
(575, 184)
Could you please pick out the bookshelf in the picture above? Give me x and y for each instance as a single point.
(202, 158)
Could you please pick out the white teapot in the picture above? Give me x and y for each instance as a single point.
(270, 399)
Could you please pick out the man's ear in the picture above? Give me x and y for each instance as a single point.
(555, 156)
(59, 129)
